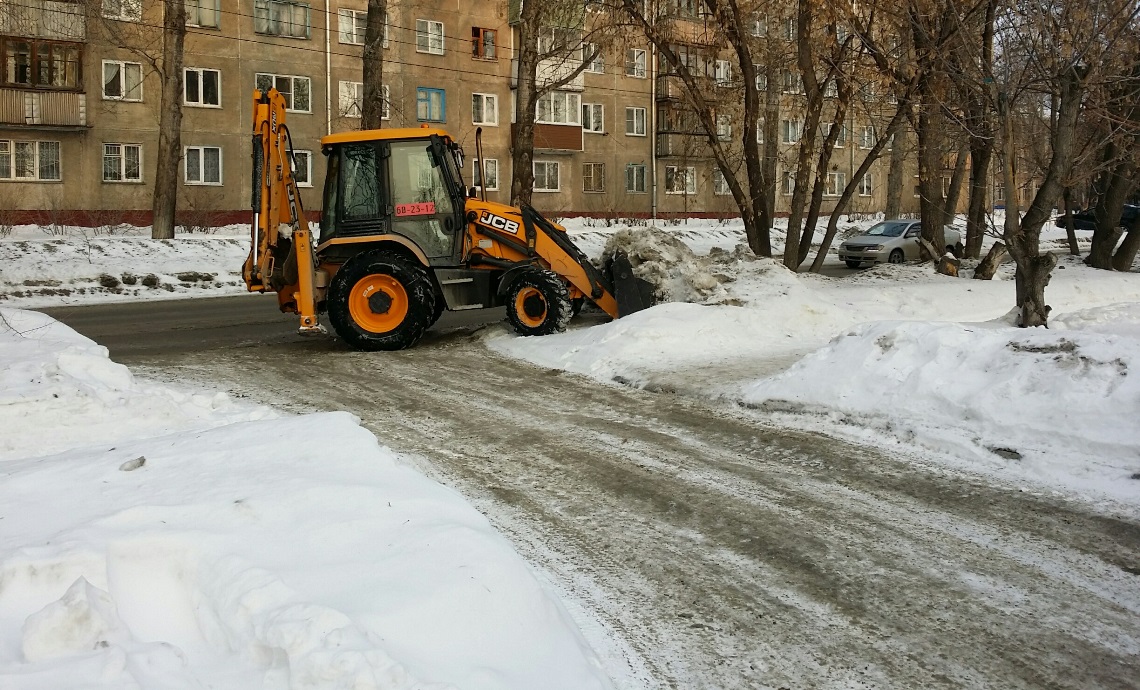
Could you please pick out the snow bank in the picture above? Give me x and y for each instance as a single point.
(225, 548)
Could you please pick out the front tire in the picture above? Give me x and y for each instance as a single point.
(896, 257)
(538, 303)
(381, 300)
(854, 264)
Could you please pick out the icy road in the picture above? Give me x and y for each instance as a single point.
(698, 546)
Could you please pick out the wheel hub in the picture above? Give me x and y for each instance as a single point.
(534, 306)
(379, 302)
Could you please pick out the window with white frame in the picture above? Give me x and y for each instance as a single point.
(122, 163)
(836, 181)
(635, 63)
(204, 14)
(559, 108)
(122, 81)
(593, 177)
(594, 58)
(490, 169)
(760, 25)
(202, 87)
(866, 185)
(999, 192)
(890, 143)
(352, 25)
(720, 184)
(791, 131)
(29, 160)
(760, 130)
(723, 127)
(123, 10)
(831, 89)
(788, 186)
(723, 72)
(303, 168)
(635, 122)
(680, 180)
(429, 36)
(351, 101)
(296, 90)
(203, 165)
(867, 137)
(593, 118)
(841, 140)
(484, 109)
(635, 178)
(281, 18)
(761, 82)
(793, 82)
(546, 176)
(790, 29)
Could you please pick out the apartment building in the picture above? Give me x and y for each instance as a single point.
(79, 106)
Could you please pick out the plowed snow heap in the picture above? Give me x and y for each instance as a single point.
(677, 274)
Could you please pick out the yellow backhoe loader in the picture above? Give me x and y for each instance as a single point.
(402, 239)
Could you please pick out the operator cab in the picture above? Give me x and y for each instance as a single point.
(406, 182)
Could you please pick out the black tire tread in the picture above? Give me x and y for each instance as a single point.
(416, 281)
(559, 309)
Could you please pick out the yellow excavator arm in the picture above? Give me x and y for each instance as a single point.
(281, 258)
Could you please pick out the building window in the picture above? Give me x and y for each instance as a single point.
(29, 160)
(790, 131)
(202, 87)
(593, 57)
(790, 29)
(123, 10)
(866, 185)
(41, 64)
(204, 14)
(276, 18)
(635, 122)
(559, 108)
(122, 163)
(867, 137)
(483, 43)
(680, 180)
(429, 37)
(841, 140)
(296, 90)
(723, 72)
(789, 183)
(720, 184)
(593, 118)
(353, 24)
(484, 109)
(999, 188)
(431, 105)
(203, 165)
(890, 143)
(723, 127)
(761, 82)
(635, 178)
(593, 177)
(490, 172)
(303, 168)
(546, 176)
(760, 25)
(760, 131)
(831, 89)
(635, 63)
(122, 81)
(351, 102)
(836, 181)
(793, 82)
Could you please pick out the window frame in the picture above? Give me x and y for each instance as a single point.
(644, 121)
(308, 183)
(273, 25)
(196, 23)
(37, 145)
(291, 99)
(424, 94)
(36, 54)
(357, 99)
(635, 168)
(690, 173)
(723, 127)
(557, 175)
(485, 96)
(574, 112)
(344, 14)
(785, 129)
(476, 174)
(202, 167)
(122, 156)
(427, 34)
(836, 183)
(123, 15)
(787, 189)
(479, 43)
(867, 185)
(201, 72)
(600, 120)
(633, 67)
(722, 72)
(598, 62)
(720, 184)
(122, 64)
(594, 167)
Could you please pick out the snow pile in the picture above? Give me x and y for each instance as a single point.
(1060, 405)
(677, 274)
(231, 550)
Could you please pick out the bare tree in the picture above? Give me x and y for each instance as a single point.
(374, 103)
(165, 202)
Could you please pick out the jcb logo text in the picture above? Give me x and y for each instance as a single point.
(488, 218)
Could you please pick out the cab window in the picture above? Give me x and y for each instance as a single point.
(360, 183)
(420, 198)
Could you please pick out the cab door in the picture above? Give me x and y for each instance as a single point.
(424, 209)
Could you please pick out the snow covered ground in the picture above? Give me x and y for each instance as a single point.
(158, 538)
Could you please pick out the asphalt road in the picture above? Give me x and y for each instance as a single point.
(697, 545)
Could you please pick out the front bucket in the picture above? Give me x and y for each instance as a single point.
(631, 293)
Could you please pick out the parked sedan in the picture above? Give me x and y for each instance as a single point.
(893, 242)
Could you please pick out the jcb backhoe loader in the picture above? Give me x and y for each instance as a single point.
(402, 239)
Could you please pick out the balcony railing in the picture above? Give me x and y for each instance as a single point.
(43, 108)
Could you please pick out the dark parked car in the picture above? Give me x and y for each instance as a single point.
(1085, 220)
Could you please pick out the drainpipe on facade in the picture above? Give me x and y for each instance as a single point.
(653, 131)
(328, 70)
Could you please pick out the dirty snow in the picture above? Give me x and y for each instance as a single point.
(157, 538)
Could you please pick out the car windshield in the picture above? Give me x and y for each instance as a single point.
(887, 229)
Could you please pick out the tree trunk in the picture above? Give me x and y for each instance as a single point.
(1112, 192)
(981, 151)
(1126, 254)
(526, 100)
(373, 105)
(1070, 228)
(169, 151)
(950, 207)
(930, 137)
(989, 265)
(837, 122)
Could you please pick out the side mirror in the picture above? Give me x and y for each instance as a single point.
(472, 192)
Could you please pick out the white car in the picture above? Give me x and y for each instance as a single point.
(892, 242)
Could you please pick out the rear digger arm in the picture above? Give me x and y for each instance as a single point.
(281, 263)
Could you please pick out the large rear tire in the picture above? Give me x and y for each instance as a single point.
(538, 303)
(381, 300)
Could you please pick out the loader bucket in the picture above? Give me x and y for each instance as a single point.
(632, 293)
